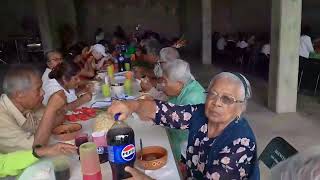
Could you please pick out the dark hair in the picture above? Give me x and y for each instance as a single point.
(76, 49)
(98, 31)
(306, 30)
(70, 58)
(67, 69)
(119, 33)
(152, 47)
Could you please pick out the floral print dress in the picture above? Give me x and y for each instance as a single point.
(231, 155)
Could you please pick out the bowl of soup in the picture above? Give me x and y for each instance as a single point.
(152, 157)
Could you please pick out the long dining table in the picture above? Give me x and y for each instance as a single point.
(150, 134)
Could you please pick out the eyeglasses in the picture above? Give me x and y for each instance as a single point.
(227, 100)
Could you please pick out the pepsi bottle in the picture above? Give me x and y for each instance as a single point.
(123, 48)
(121, 61)
(121, 148)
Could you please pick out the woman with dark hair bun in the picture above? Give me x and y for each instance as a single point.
(64, 79)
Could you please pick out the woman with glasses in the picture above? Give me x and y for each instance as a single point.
(53, 58)
(221, 143)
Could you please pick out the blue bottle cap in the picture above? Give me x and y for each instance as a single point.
(117, 116)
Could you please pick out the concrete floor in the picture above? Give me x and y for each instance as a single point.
(300, 129)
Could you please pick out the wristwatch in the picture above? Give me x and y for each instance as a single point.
(34, 151)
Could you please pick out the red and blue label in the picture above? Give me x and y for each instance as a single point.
(122, 154)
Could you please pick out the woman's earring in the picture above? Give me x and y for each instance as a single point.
(238, 117)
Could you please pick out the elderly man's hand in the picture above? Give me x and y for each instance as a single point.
(56, 149)
(57, 101)
(136, 174)
(120, 107)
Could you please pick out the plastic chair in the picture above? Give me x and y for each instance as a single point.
(276, 151)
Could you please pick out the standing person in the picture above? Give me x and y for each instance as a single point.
(221, 43)
(99, 35)
(306, 46)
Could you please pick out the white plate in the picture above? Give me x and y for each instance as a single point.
(130, 97)
(101, 104)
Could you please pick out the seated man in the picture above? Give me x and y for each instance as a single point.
(53, 58)
(21, 99)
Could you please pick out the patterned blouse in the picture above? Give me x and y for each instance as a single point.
(231, 155)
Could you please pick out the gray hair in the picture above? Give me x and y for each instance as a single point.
(305, 165)
(179, 70)
(152, 46)
(18, 78)
(169, 54)
(235, 77)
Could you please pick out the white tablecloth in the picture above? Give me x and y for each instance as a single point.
(150, 135)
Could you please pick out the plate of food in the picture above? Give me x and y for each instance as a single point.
(81, 114)
(66, 132)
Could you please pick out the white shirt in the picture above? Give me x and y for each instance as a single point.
(52, 86)
(45, 76)
(221, 44)
(266, 49)
(99, 37)
(242, 44)
(306, 46)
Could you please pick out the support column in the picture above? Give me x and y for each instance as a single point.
(206, 32)
(284, 62)
(44, 24)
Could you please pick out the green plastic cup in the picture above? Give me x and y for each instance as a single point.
(110, 71)
(127, 66)
(106, 90)
(128, 87)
